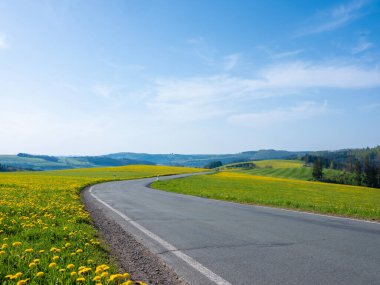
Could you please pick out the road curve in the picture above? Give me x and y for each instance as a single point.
(214, 242)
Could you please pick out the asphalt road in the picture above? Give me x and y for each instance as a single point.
(207, 241)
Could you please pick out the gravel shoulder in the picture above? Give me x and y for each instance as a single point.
(130, 255)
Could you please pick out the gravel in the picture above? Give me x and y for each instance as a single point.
(129, 254)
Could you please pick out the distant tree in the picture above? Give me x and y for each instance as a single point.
(213, 164)
(370, 173)
(358, 172)
(317, 169)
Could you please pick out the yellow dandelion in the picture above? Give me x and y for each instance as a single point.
(55, 257)
(17, 243)
(97, 278)
(40, 274)
(70, 266)
(127, 275)
(22, 282)
(53, 265)
(32, 265)
(81, 279)
(29, 250)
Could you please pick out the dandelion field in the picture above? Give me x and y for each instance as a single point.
(327, 198)
(46, 236)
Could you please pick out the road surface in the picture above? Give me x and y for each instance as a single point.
(215, 242)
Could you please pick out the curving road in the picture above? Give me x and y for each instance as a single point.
(214, 242)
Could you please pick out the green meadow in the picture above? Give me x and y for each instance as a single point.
(326, 198)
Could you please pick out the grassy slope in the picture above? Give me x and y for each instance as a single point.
(43, 211)
(352, 201)
(292, 169)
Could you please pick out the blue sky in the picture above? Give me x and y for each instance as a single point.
(95, 77)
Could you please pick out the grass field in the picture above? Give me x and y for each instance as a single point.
(45, 234)
(327, 198)
(292, 169)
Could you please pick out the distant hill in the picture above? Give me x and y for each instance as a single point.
(45, 162)
(200, 160)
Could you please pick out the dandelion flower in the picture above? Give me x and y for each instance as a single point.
(40, 274)
(53, 265)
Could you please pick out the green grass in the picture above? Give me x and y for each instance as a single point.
(345, 200)
(42, 221)
(292, 169)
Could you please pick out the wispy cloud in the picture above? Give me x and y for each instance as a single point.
(362, 45)
(370, 107)
(198, 98)
(334, 18)
(230, 61)
(301, 111)
(3, 42)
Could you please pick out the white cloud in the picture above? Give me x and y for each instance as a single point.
(298, 112)
(230, 61)
(362, 45)
(3, 42)
(200, 98)
(301, 75)
(334, 18)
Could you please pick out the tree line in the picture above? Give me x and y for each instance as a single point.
(355, 168)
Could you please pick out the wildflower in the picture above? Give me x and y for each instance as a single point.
(114, 277)
(55, 257)
(4, 246)
(29, 250)
(18, 274)
(79, 250)
(2, 252)
(97, 278)
(70, 266)
(17, 243)
(62, 270)
(32, 265)
(126, 275)
(36, 260)
(73, 274)
(89, 261)
(40, 274)
(22, 282)
(81, 279)
(41, 251)
(68, 244)
(104, 274)
(84, 270)
(53, 265)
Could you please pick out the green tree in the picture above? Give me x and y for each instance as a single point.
(317, 169)
(358, 172)
(213, 164)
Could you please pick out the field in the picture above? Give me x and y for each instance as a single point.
(327, 198)
(292, 169)
(46, 236)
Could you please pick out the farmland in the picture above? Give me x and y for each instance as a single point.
(326, 198)
(46, 236)
(292, 169)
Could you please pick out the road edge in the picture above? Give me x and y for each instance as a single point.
(129, 254)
